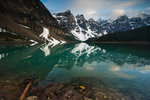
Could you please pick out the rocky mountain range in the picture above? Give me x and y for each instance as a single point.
(83, 29)
(124, 23)
(78, 26)
(30, 21)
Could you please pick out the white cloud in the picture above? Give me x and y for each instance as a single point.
(96, 8)
(136, 13)
(91, 12)
(117, 12)
(148, 8)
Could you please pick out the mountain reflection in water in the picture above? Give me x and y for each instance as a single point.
(123, 67)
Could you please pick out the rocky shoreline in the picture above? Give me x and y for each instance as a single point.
(58, 91)
(78, 89)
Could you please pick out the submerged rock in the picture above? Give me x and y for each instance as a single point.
(32, 98)
(79, 89)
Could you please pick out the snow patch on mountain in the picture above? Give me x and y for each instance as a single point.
(82, 34)
(105, 33)
(33, 42)
(62, 42)
(24, 26)
(45, 35)
(3, 30)
(54, 41)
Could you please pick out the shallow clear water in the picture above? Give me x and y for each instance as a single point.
(125, 68)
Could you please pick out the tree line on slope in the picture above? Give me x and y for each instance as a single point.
(140, 34)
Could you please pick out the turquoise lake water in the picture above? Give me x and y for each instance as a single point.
(123, 67)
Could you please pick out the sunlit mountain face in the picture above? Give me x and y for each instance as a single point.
(124, 68)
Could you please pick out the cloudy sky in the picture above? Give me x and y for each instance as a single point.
(96, 9)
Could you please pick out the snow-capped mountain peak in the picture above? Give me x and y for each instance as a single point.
(82, 29)
(79, 27)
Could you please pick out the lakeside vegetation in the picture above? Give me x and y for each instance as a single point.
(140, 34)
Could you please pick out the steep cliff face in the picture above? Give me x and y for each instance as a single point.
(29, 18)
(66, 20)
(77, 26)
